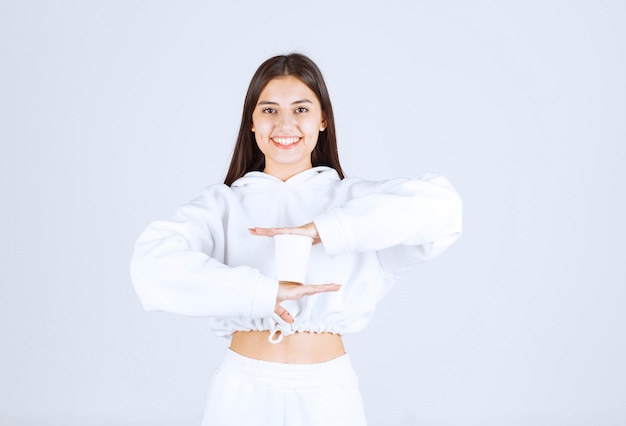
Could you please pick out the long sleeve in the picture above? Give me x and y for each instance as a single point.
(421, 215)
(178, 266)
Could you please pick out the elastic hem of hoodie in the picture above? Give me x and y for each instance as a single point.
(286, 330)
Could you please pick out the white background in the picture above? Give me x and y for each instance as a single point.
(113, 113)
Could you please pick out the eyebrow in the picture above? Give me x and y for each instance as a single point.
(301, 101)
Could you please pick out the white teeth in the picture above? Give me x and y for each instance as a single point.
(286, 141)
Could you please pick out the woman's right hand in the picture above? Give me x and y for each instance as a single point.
(288, 290)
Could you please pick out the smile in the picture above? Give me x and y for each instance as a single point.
(286, 141)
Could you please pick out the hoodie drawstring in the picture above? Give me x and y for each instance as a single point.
(279, 329)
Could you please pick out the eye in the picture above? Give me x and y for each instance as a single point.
(300, 110)
(268, 110)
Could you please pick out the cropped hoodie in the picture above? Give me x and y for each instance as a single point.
(204, 262)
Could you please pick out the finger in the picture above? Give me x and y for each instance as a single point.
(306, 290)
(308, 230)
(270, 232)
(283, 313)
(310, 289)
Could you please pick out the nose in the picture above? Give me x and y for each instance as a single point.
(286, 122)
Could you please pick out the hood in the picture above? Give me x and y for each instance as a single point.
(312, 176)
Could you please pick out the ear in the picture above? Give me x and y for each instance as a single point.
(252, 127)
(324, 124)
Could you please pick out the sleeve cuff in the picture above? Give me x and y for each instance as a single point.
(330, 231)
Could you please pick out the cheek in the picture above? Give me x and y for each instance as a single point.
(313, 132)
(261, 126)
(312, 139)
(310, 126)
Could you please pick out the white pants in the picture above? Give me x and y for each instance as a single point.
(249, 392)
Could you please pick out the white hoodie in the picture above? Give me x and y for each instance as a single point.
(204, 262)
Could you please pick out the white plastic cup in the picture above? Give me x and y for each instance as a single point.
(291, 254)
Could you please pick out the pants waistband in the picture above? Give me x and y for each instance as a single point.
(328, 371)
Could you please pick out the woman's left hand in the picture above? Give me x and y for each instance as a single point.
(308, 230)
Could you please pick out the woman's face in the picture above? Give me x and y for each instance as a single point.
(286, 122)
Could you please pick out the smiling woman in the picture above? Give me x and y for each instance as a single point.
(247, 155)
(286, 364)
(286, 123)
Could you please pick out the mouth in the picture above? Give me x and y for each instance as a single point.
(286, 142)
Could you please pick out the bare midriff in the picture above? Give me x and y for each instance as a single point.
(298, 348)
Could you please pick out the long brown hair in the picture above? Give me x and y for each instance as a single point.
(247, 156)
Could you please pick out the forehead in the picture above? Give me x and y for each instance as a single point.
(286, 89)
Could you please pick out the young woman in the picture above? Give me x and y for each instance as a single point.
(286, 363)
